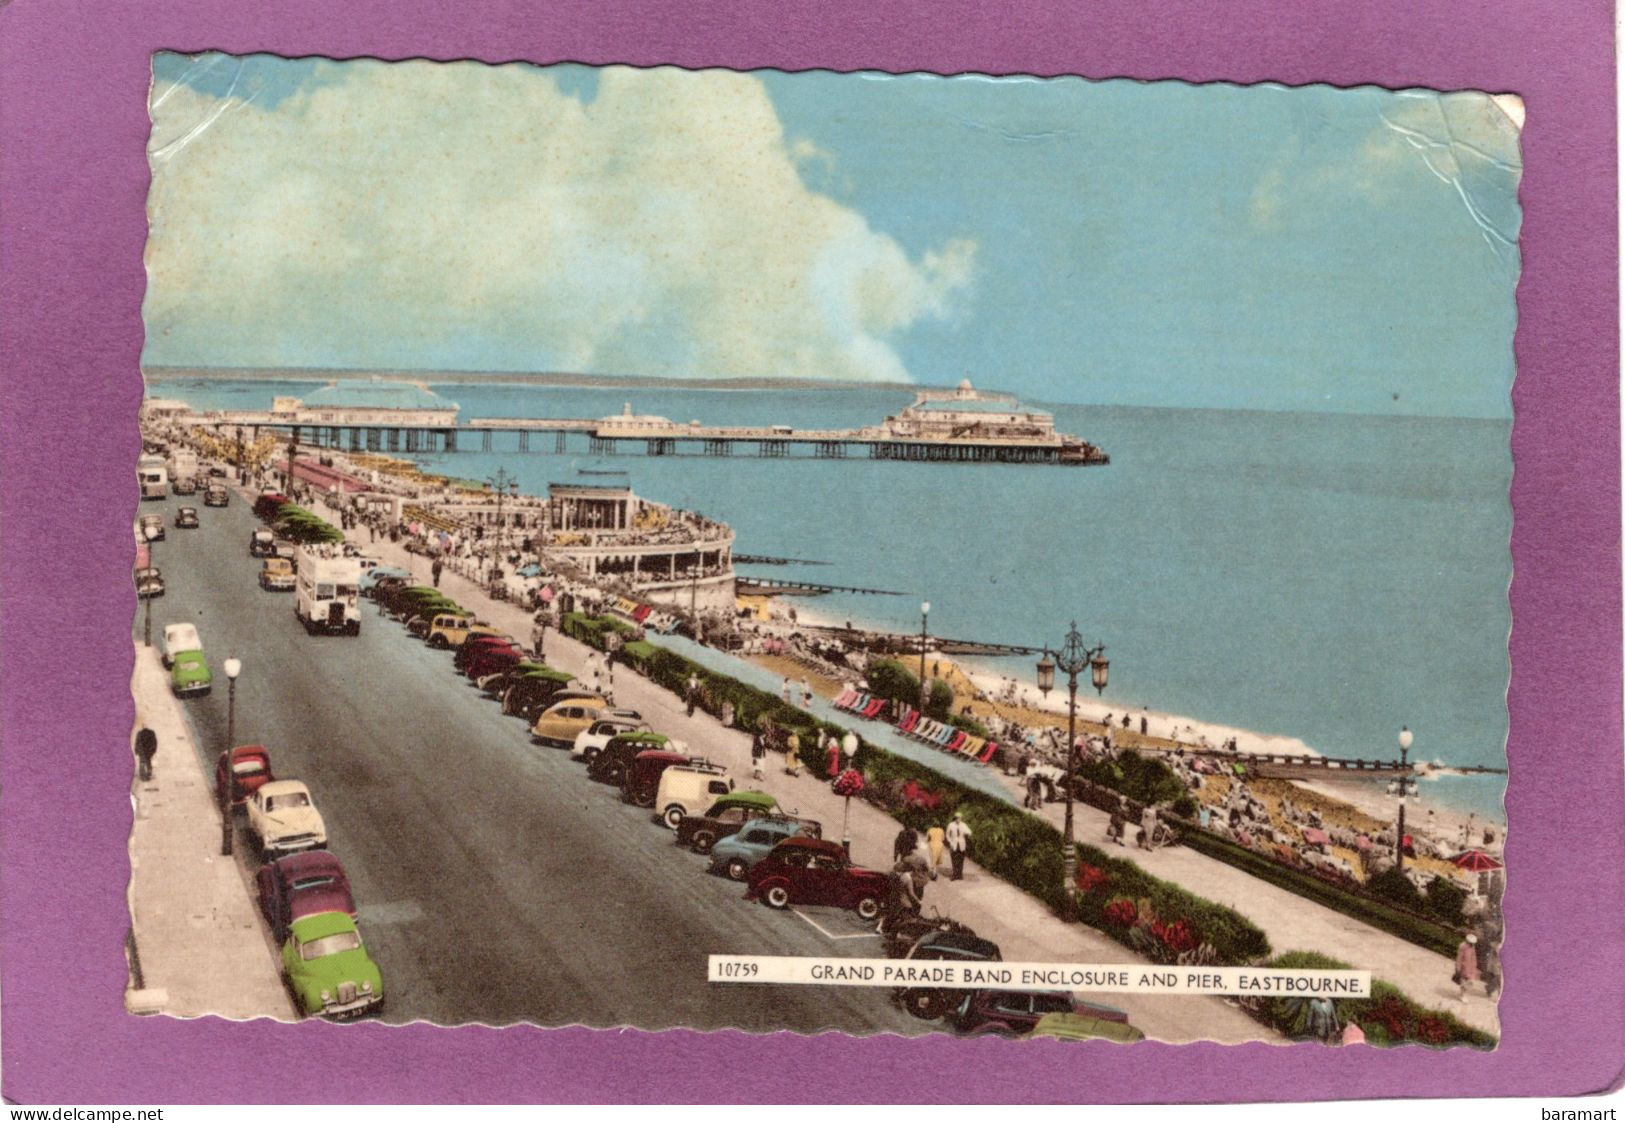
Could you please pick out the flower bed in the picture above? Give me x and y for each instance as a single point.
(1171, 924)
(1388, 1018)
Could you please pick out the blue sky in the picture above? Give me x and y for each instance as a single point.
(1104, 242)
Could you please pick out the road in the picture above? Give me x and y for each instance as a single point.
(495, 882)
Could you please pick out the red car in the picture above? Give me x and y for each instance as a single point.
(302, 884)
(267, 506)
(245, 768)
(492, 659)
(815, 871)
(466, 652)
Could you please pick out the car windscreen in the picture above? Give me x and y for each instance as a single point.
(287, 802)
(312, 881)
(330, 945)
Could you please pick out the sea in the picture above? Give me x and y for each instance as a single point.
(1318, 579)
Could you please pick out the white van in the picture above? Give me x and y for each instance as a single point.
(688, 789)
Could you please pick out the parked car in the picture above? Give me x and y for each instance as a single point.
(559, 723)
(245, 769)
(189, 674)
(186, 518)
(178, 638)
(372, 578)
(148, 582)
(737, 854)
(726, 815)
(641, 780)
(300, 885)
(957, 943)
(261, 543)
(608, 724)
(268, 504)
(284, 819)
(815, 871)
(327, 968)
(217, 496)
(490, 658)
(682, 789)
(529, 687)
(1081, 1027)
(614, 761)
(277, 575)
(452, 629)
(1013, 1013)
(151, 528)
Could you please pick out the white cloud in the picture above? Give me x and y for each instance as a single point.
(462, 215)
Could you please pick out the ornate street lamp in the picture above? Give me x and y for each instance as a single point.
(1073, 659)
(151, 535)
(1404, 790)
(925, 613)
(234, 667)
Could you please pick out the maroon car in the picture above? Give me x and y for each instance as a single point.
(492, 659)
(245, 768)
(302, 884)
(815, 871)
(470, 648)
(642, 778)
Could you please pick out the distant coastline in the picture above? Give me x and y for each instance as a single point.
(521, 378)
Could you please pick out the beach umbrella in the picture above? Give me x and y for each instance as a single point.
(1315, 837)
(1475, 861)
(1362, 843)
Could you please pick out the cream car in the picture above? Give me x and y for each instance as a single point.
(593, 738)
(284, 818)
(178, 638)
(562, 721)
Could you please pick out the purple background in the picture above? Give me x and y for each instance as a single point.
(73, 84)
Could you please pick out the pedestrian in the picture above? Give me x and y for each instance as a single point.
(1125, 721)
(538, 635)
(806, 694)
(146, 747)
(1114, 828)
(1035, 793)
(935, 839)
(792, 754)
(832, 751)
(691, 692)
(758, 754)
(1144, 725)
(434, 571)
(1466, 965)
(906, 842)
(1148, 826)
(957, 837)
(1489, 964)
(784, 691)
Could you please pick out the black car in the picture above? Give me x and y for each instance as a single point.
(186, 518)
(930, 1003)
(261, 544)
(217, 496)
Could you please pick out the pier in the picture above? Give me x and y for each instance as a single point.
(806, 588)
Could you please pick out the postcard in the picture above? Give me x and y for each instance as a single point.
(893, 554)
(1064, 556)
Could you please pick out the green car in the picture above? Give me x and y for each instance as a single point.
(328, 970)
(189, 674)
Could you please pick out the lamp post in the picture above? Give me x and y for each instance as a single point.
(234, 667)
(849, 753)
(1073, 659)
(925, 614)
(504, 485)
(1404, 790)
(151, 535)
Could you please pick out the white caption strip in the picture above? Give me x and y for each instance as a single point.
(1117, 978)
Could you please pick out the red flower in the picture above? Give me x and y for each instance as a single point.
(1122, 912)
(1176, 937)
(1090, 878)
(1432, 1030)
(848, 783)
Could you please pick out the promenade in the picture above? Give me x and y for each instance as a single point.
(1022, 926)
(202, 945)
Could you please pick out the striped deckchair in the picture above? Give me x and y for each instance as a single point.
(957, 742)
(844, 702)
(874, 707)
(987, 751)
(911, 718)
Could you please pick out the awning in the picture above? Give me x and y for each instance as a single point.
(1475, 861)
(1315, 837)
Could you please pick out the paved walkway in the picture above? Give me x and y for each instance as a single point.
(1023, 927)
(202, 945)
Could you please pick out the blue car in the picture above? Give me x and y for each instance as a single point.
(737, 853)
(378, 572)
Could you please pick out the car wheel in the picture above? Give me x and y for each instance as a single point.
(703, 841)
(438, 642)
(777, 896)
(927, 1005)
(737, 869)
(868, 908)
(508, 707)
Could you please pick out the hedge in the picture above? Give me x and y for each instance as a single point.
(1388, 1018)
(1143, 779)
(1419, 930)
(1009, 843)
(304, 527)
